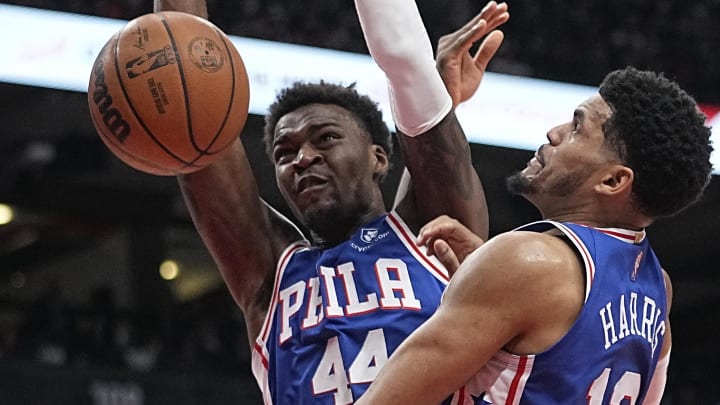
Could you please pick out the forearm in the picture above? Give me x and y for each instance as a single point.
(227, 212)
(195, 7)
(444, 180)
(443, 177)
(398, 41)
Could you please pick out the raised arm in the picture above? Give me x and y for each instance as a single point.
(244, 236)
(433, 145)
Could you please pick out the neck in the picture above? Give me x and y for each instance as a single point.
(338, 230)
(597, 220)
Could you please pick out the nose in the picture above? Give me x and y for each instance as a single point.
(307, 156)
(554, 136)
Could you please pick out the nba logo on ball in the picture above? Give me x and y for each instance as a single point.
(168, 93)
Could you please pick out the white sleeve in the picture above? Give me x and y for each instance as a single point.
(657, 384)
(399, 43)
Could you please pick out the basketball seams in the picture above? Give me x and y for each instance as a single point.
(117, 149)
(161, 153)
(181, 74)
(139, 120)
(114, 144)
(232, 95)
(188, 110)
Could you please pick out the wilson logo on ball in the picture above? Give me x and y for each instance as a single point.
(111, 117)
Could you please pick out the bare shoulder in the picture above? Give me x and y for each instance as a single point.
(530, 282)
(527, 255)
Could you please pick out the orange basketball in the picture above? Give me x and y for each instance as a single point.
(168, 92)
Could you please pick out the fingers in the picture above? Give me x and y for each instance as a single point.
(487, 49)
(482, 15)
(494, 14)
(446, 256)
(440, 227)
(491, 17)
(499, 16)
(465, 41)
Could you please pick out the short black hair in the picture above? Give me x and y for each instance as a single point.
(366, 111)
(659, 132)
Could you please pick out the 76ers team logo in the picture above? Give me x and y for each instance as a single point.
(638, 259)
(205, 54)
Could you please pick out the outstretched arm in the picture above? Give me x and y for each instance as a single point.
(433, 145)
(461, 71)
(243, 235)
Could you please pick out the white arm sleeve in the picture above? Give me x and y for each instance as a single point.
(399, 43)
(657, 384)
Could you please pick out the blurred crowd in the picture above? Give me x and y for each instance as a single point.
(577, 42)
(197, 337)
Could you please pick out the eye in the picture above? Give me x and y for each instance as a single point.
(282, 155)
(327, 137)
(575, 127)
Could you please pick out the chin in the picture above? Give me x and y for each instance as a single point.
(320, 215)
(519, 184)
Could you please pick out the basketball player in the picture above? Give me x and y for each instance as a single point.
(572, 309)
(324, 317)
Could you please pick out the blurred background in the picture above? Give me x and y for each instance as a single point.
(108, 296)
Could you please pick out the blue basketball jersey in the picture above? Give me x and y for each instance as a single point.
(609, 354)
(337, 314)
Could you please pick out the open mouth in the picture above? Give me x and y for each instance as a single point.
(539, 157)
(309, 182)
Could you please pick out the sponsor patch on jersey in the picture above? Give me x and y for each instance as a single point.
(367, 237)
(368, 234)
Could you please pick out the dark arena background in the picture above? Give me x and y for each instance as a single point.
(91, 311)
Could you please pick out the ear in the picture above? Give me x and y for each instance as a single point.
(617, 179)
(381, 161)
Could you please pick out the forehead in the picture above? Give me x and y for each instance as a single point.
(312, 116)
(595, 110)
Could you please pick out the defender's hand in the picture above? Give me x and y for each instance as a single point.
(462, 72)
(449, 240)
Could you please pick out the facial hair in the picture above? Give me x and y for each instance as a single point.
(518, 184)
(332, 223)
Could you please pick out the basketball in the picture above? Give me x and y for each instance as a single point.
(168, 93)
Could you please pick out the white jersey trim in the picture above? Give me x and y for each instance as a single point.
(408, 238)
(260, 354)
(502, 380)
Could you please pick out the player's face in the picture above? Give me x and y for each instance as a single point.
(326, 166)
(562, 167)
